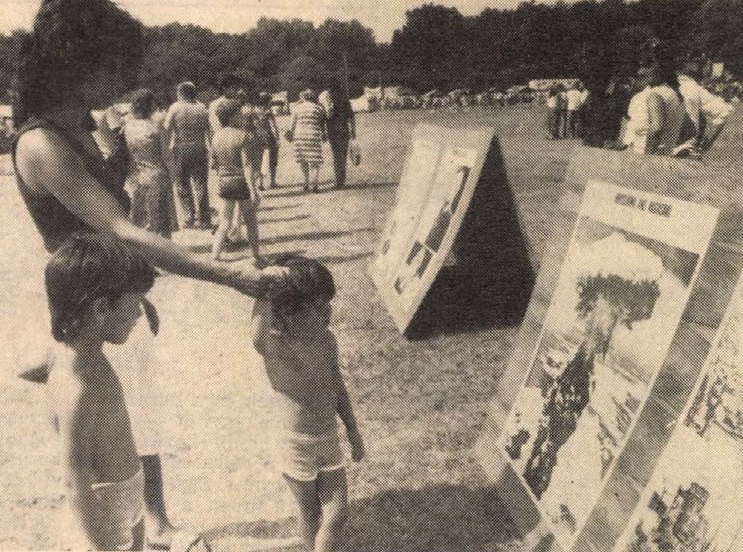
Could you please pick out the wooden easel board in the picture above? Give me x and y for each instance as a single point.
(439, 179)
(661, 238)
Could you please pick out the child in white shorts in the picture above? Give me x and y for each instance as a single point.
(301, 357)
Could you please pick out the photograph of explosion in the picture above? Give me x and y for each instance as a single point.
(611, 320)
(692, 503)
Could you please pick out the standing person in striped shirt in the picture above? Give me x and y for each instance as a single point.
(308, 132)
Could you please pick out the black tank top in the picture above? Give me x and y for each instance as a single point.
(52, 219)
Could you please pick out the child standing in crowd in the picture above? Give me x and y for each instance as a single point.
(232, 153)
(261, 121)
(301, 357)
(95, 286)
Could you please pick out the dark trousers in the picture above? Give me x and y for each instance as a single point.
(191, 167)
(273, 160)
(339, 138)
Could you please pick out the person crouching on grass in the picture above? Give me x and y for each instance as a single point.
(232, 152)
(301, 358)
(95, 287)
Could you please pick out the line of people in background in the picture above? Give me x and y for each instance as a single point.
(178, 147)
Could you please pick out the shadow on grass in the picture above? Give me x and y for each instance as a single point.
(305, 236)
(269, 258)
(436, 518)
(278, 207)
(285, 219)
(332, 260)
(369, 185)
(312, 236)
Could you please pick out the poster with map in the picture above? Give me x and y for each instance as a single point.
(632, 261)
(692, 503)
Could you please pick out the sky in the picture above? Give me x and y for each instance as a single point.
(237, 16)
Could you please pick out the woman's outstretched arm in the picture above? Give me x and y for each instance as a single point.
(46, 162)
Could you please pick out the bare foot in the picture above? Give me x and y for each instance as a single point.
(159, 534)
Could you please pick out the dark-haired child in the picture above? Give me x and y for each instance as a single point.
(301, 357)
(95, 286)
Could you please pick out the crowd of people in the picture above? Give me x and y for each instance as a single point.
(662, 110)
(99, 189)
(226, 145)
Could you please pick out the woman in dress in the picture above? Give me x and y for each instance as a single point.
(69, 68)
(308, 131)
(148, 177)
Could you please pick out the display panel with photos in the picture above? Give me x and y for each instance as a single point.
(436, 186)
(692, 503)
(630, 266)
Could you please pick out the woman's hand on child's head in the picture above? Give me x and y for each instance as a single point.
(265, 283)
(278, 281)
(358, 451)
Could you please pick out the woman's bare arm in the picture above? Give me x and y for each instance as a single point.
(46, 162)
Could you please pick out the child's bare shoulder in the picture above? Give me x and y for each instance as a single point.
(70, 391)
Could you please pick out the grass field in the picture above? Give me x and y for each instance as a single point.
(420, 403)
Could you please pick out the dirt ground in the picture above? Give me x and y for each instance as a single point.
(420, 403)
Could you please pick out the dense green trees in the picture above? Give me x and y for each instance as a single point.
(438, 47)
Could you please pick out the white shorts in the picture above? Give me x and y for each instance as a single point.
(302, 456)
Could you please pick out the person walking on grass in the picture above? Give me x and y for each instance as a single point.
(301, 358)
(231, 155)
(187, 124)
(341, 126)
(231, 87)
(308, 131)
(266, 132)
(148, 176)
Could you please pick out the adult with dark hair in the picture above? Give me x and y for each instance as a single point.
(266, 132)
(82, 55)
(666, 111)
(148, 177)
(341, 128)
(187, 121)
(707, 112)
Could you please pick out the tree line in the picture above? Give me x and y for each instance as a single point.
(437, 47)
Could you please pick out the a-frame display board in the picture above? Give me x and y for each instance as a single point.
(451, 201)
(641, 270)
